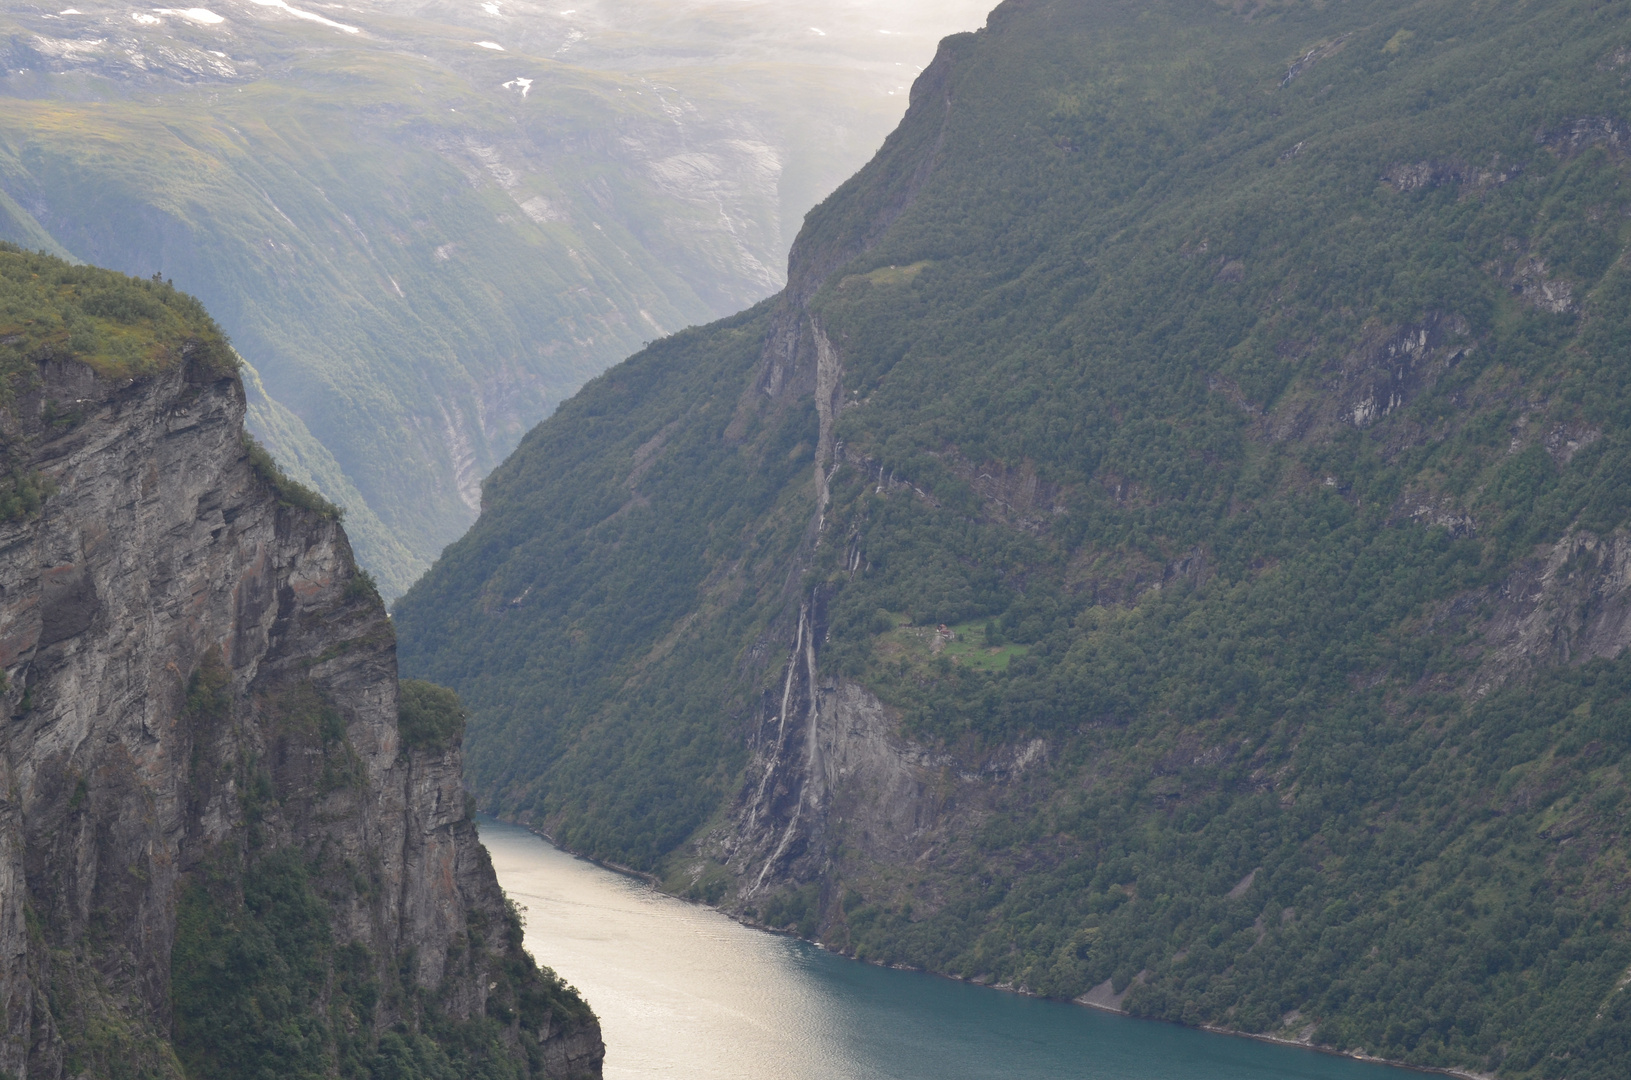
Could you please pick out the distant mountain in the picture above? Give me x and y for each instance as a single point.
(1166, 547)
(424, 227)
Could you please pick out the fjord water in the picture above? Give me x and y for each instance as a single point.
(682, 991)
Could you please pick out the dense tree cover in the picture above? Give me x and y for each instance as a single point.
(428, 716)
(262, 992)
(290, 492)
(1223, 372)
(627, 557)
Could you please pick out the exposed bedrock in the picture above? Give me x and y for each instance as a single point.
(198, 683)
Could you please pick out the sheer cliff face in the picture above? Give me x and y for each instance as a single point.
(199, 685)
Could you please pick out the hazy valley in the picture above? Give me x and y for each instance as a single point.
(424, 226)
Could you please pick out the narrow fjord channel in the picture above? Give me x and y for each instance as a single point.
(684, 992)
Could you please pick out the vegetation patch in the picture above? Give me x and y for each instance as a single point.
(248, 971)
(262, 990)
(121, 326)
(22, 494)
(290, 493)
(102, 1036)
(976, 645)
(887, 275)
(429, 717)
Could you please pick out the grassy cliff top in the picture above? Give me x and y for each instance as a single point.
(121, 326)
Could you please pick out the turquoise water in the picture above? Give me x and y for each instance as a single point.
(682, 991)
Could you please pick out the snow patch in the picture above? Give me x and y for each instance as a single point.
(145, 19)
(68, 49)
(197, 15)
(524, 85)
(490, 45)
(491, 9)
(309, 16)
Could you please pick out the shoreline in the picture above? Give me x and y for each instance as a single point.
(655, 883)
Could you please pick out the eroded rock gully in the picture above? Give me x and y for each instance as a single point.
(195, 676)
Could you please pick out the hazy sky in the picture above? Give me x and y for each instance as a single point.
(624, 33)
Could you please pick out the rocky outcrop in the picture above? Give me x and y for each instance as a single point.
(200, 689)
(834, 782)
(1569, 604)
(1389, 367)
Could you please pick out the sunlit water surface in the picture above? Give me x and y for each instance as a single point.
(682, 991)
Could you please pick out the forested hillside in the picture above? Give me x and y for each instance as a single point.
(1166, 546)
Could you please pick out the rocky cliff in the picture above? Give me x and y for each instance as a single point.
(219, 856)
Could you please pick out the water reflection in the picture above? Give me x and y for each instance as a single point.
(682, 991)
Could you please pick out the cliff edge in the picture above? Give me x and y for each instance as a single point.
(219, 854)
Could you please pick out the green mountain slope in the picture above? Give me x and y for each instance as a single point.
(421, 242)
(1165, 547)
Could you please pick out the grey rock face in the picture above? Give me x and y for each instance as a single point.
(1568, 604)
(833, 785)
(163, 554)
